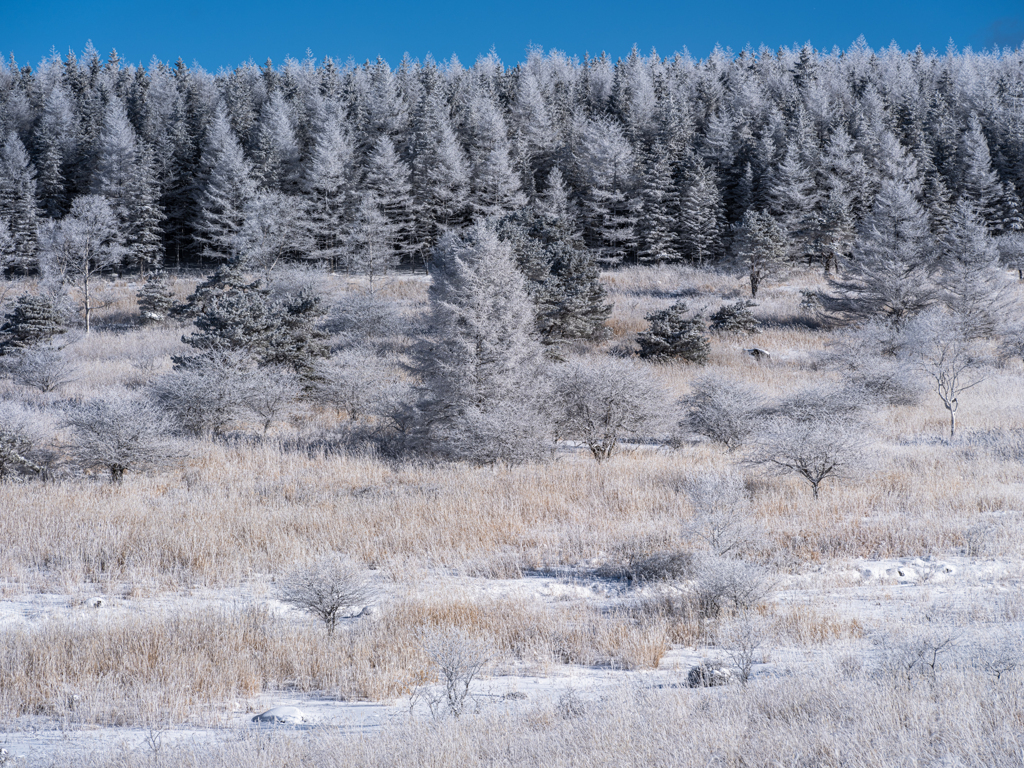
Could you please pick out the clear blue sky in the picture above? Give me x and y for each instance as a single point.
(219, 33)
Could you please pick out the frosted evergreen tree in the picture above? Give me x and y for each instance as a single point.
(18, 200)
(329, 179)
(979, 182)
(479, 396)
(657, 240)
(387, 177)
(604, 173)
(701, 214)
(891, 273)
(125, 176)
(975, 286)
(371, 242)
(54, 141)
(227, 188)
(440, 174)
(496, 188)
(793, 200)
(277, 151)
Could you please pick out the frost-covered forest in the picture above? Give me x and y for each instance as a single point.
(657, 159)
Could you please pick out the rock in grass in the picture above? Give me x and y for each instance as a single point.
(284, 715)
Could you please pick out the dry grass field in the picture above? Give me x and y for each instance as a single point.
(888, 626)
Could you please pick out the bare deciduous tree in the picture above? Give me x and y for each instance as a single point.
(722, 410)
(940, 347)
(119, 435)
(457, 659)
(810, 436)
(601, 403)
(721, 512)
(327, 587)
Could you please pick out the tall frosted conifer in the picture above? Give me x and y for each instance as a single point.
(228, 187)
(387, 177)
(18, 200)
(329, 178)
(479, 396)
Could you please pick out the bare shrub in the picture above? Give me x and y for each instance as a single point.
(868, 357)
(721, 512)
(359, 382)
(327, 587)
(21, 437)
(44, 368)
(119, 435)
(722, 410)
(940, 347)
(204, 400)
(602, 403)
(816, 435)
(270, 392)
(741, 641)
(457, 658)
(364, 319)
(999, 655)
(919, 652)
(725, 583)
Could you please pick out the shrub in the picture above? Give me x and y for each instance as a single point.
(735, 318)
(674, 335)
(327, 587)
(601, 403)
(155, 300)
(457, 659)
(723, 411)
(119, 435)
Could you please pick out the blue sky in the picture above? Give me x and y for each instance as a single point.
(224, 34)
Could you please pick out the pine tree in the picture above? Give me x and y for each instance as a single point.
(440, 174)
(793, 200)
(387, 177)
(371, 245)
(673, 333)
(154, 299)
(125, 176)
(974, 283)
(227, 188)
(980, 184)
(277, 151)
(891, 273)
(34, 320)
(496, 189)
(603, 171)
(657, 240)
(54, 139)
(701, 214)
(330, 176)
(18, 200)
(479, 397)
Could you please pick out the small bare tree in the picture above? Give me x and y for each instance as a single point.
(601, 403)
(457, 659)
(44, 368)
(20, 439)
(119, 435)
(940, 347)
(327, 587)
(815, 447)
(722, 410)
(721, 512)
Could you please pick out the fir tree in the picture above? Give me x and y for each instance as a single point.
(479, 397)
(673, 333)
(387, 177)
(701, 215)
(329, 178)
(18, 200)
(154, 299)
(33, 321)
(227, 188)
